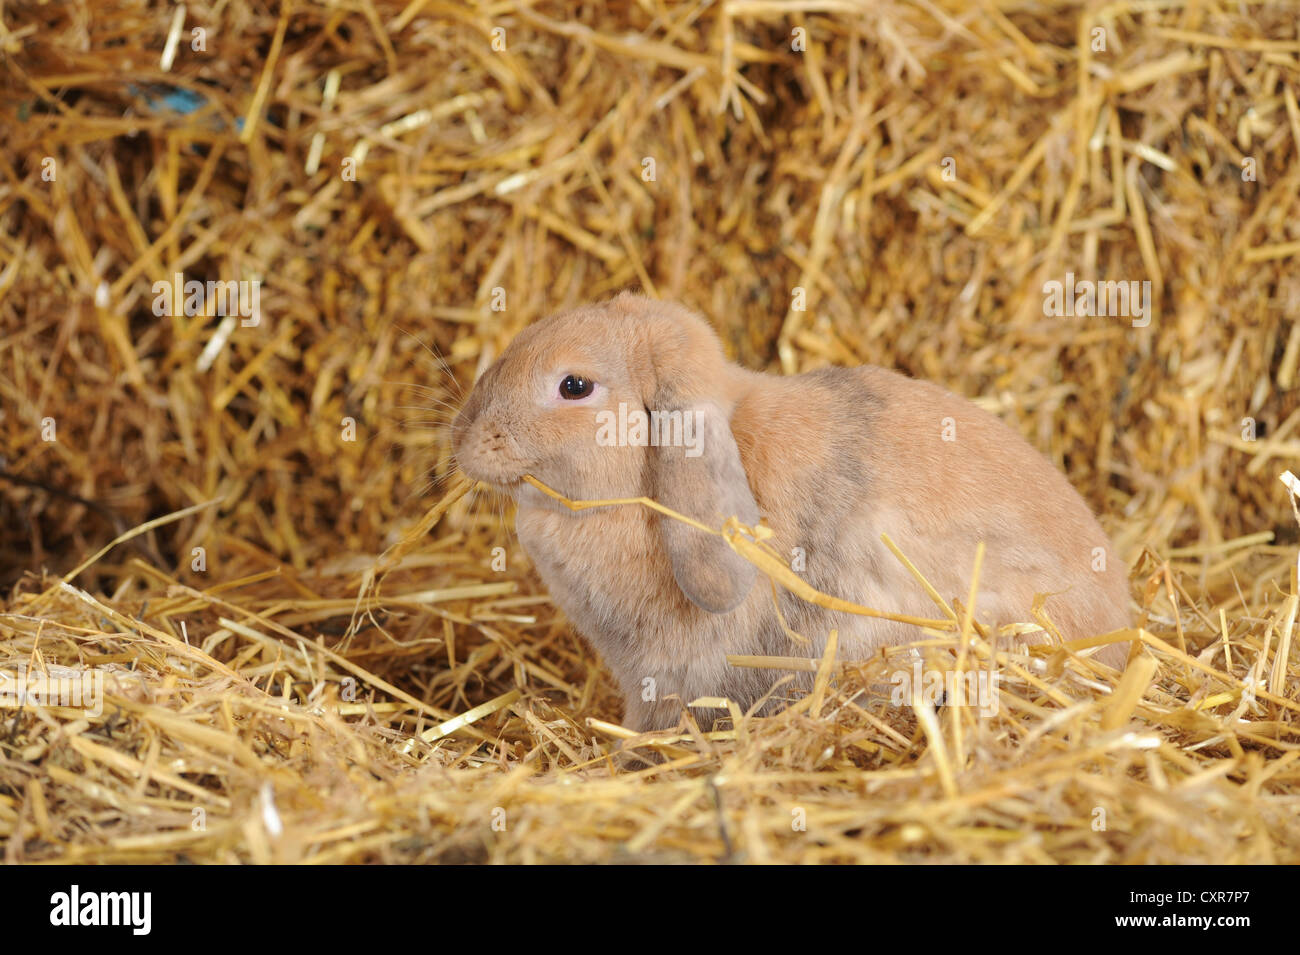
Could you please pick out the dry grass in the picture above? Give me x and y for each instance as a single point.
(348, 678)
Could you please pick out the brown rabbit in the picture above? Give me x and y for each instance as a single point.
(831, 459)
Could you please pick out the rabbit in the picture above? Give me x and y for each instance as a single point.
(830, 459)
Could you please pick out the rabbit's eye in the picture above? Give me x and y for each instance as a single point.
(574, 387)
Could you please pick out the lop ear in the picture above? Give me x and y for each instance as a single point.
(702, 477)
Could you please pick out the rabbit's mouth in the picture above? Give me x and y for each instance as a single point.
(509, 486)
(501, 476)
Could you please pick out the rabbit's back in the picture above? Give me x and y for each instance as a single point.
(839, 457)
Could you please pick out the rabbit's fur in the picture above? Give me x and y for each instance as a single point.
(830, 459)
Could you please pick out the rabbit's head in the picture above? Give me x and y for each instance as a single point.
(626, 399)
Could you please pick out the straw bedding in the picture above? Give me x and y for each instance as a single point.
(310, 646)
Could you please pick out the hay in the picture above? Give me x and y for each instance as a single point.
(348, 678)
